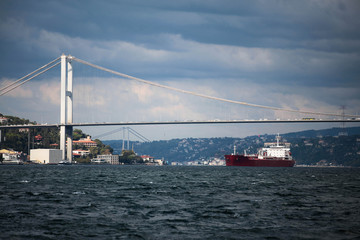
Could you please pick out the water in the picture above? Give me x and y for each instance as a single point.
(174, 202)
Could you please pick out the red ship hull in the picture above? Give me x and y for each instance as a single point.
(253, 161)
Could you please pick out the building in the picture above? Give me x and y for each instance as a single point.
(98, 161)
(38, 138)
(152, 161)
(45, 156)
(3, 120)
(147, 158)
(176, 164)
(86, 142)
(23, 130)
(109, 158)
(11, 157)
(217, 162)
(80, 153)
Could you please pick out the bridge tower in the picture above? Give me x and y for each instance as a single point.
(66, 107)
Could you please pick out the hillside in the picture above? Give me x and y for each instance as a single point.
(323, 133)
(308, 147)
(24, 139)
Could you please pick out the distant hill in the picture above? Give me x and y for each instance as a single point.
(308, 147)
(324, 132)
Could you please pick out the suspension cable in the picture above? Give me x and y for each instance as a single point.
(132, 131)
(206, 96)
(138, 135)
(2, 89)
(109, 132)
(18, 85)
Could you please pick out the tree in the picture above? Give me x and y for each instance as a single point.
(129, 157)
(77, 134)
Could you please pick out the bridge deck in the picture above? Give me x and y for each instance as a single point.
(180, 123)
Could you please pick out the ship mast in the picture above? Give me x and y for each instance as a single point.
(277, 140)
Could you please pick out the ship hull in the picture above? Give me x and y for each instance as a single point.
(253, 161)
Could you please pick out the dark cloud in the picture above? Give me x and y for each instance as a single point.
(241, 23)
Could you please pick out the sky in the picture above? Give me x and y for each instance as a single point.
(301, 55)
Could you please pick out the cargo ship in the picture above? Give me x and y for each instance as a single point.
(271, 155)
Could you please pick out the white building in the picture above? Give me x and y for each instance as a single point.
(3, 120)
(10, 157)
(109, 158)
(45, 156)
(81, 153)
(98, 161)
(152, 161)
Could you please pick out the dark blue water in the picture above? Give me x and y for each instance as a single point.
(173, 202)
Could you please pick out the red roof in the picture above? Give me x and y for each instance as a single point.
(38, 137)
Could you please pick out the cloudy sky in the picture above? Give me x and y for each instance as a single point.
(302, 55)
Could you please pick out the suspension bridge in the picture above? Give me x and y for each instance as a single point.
(66, 123)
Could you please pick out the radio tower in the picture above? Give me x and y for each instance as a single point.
(343, 131)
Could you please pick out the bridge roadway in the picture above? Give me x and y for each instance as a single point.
(181, 123)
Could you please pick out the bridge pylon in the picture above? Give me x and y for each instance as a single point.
(66, 107)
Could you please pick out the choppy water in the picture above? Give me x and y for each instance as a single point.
(173, 202)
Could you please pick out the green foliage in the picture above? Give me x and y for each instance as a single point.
(100, 149)
(328, 150)
(84, 160)
(130, 157)
(77, 134)
(17, 139)
(17, 121)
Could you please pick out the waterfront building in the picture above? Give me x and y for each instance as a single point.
(152, 161)
(45, 156)
(98, 161)
(109, 158)
(147, 158)
(11, 157)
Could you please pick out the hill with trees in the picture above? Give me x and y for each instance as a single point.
(24, 139)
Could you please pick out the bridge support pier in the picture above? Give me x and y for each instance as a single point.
(66, 105)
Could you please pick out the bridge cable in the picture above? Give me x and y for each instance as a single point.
(3, 93)
(138, 135)
(206, 96)
(132, 131)
(20, 79)
(109, 133)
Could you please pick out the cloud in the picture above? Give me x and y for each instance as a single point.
(50, 92)
(185, 57)
(17, 92)
(13, 29)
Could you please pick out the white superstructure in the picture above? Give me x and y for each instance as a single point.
(272, 150)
